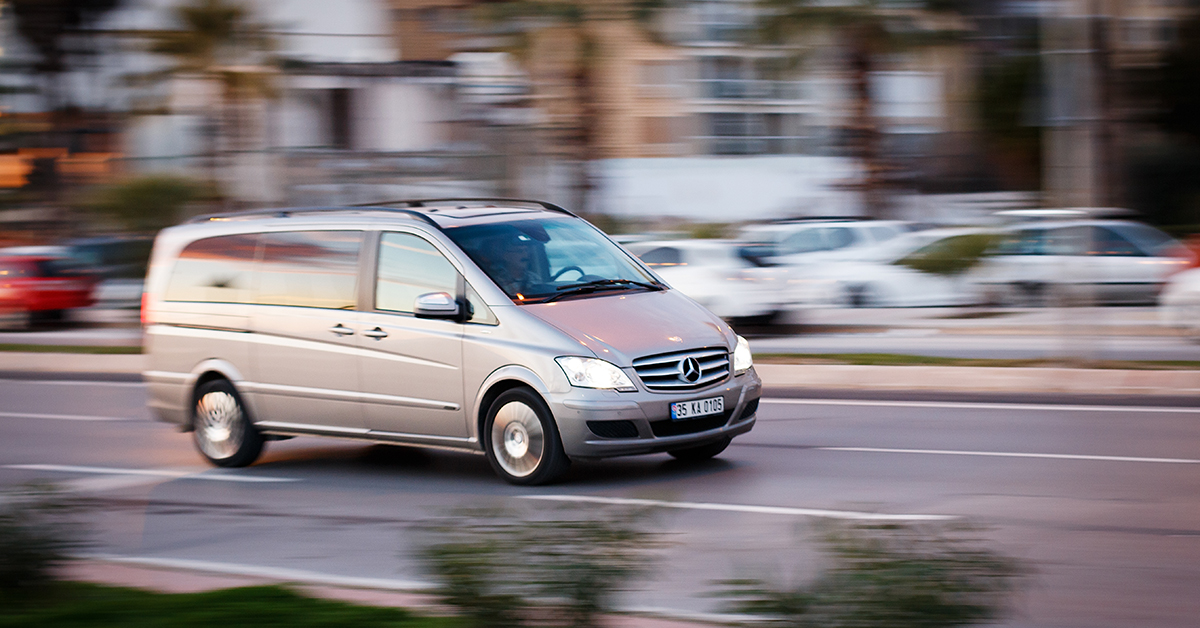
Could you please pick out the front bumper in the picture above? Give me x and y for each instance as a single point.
(605, 423)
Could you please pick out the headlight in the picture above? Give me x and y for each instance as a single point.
(742, 360)
(593, 373)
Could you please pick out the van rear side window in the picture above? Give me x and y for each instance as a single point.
(309, 269)
(297, 268)
(214, 270)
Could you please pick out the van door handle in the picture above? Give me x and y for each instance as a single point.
(377, 334)
(341, 330)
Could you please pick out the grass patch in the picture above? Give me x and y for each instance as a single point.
(79, 605)
(93, 349)
(895, 359)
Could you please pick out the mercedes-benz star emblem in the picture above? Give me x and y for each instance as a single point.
(689, 370)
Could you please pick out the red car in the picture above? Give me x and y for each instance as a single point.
(38, 284)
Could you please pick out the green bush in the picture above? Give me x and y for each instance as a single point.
(38, 534)
(80, 605)
(500, 568)
(887, 576)
(708, 230)
(950, 256)
(147, 203)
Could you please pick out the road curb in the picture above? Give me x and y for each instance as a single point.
(29, 362)
(951, 379)
(980, 379)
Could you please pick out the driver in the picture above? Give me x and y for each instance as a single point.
(515, 273)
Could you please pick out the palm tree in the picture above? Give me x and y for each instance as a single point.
(583, 34)
(866, 30)
(47, 25)
(216, 41)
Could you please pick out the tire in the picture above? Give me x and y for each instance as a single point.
(862, 295)
(701, 453)
(521, 439)
(761, 320)
(221, 427)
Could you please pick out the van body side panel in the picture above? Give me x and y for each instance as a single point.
(184, 336)
(304, 368)
(412, 377)
(521, 344)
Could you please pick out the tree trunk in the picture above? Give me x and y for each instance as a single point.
(864, 135)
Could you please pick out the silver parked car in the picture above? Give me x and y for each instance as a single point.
(510, 328)
(1080, 261)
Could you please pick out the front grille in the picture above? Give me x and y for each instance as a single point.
(690, 426)
(663, 372)
(613, 429)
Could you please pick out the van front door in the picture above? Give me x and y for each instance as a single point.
(411, 368)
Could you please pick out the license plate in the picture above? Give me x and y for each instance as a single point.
(700, 407)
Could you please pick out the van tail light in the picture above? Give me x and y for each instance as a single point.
(143, 313)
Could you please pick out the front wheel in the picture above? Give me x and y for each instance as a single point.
(521, 439)
(221, 426)
(703, 452)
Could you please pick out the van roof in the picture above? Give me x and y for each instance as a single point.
(438, 212)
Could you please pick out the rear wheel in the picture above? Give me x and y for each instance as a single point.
(221, 426)
(521, 439)
(703, 452)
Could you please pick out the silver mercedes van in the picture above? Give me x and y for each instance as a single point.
(510, 328)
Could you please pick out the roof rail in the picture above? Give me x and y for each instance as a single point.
(820, 219)
(424, 202)
(283, 213)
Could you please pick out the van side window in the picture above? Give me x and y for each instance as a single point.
(214, 270)
(309, 269)
(409, 266)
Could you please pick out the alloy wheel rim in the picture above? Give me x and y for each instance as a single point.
(518, 440)
(218, 418)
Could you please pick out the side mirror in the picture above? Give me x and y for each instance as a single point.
(436, 305)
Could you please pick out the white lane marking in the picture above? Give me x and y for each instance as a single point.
(1004, 454)
(72, 382)
(61, 417)
(272, 573)
(162, 473)
(969, 405)
(765, 510)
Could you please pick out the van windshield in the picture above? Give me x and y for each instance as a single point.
(535, 260)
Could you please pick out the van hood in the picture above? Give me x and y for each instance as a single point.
(622, 326)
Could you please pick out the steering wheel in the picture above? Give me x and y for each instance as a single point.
(568, 268)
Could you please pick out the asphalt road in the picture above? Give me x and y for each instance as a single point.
(1102, 502)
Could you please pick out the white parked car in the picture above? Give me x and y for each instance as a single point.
(1085, 261)
(1179, 302)
(713, 273)
(810, 241)
(888, 275)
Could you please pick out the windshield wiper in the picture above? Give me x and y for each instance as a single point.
(600, 284)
